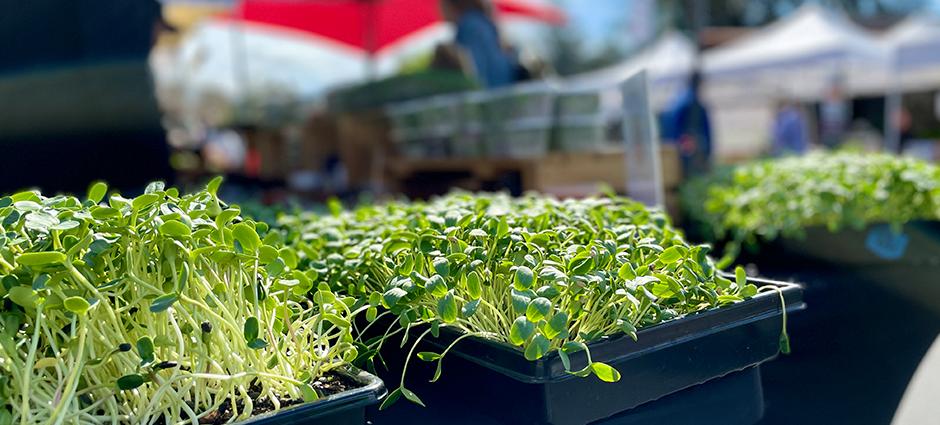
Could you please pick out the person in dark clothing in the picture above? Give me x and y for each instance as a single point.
(78, 98)
(688, 125)
(477, 35)
(903, 122)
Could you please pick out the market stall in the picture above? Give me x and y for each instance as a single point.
(809, 55)
(798, 55)
(914, 68)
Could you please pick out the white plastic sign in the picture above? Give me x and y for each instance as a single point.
(641, 145)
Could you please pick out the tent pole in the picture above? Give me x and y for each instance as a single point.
(893, 108)
(239, 61)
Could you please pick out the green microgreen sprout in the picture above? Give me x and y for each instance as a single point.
(763, 200)
(544, 275)
(161, 307)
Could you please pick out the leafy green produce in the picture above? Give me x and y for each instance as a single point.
(537, 273)
(159, 308)
(781, 197)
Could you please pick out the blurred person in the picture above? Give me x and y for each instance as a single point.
(834, 115)
(903, 122)
(687, 124)
(79, 102)
(478, 37)
(790, 136)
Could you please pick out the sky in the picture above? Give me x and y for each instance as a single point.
(596, 22)
(596, 19)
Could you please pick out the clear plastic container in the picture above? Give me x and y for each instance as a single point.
(527, 138)
(472, 107)
(441, 113)
(411, 143)
(425, 127)
(524, 101)
(586, 133)
(404, 116)
(405, 119)
(583, 102)
(469, 141)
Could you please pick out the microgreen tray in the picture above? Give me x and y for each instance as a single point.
(345, 408)
(665, 359)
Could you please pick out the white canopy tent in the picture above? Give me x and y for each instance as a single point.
(915, 50)
(235, 63)
(915, 64)
(668, 61)
(222, 64)
(798, 56)
(801, 56)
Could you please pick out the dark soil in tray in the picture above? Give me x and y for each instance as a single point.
(327, 385)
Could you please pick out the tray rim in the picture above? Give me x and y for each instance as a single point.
(541, 370)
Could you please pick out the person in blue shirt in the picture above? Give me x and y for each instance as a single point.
(477, 35)
(790, 130)
(688, 125)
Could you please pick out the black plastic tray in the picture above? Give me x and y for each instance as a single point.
(667, 358)
(345, 408)
(850, 248)
(912, 274)
(736, 398)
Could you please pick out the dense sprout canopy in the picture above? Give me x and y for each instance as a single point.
(782, 197)
(535, 272)
(163, 307)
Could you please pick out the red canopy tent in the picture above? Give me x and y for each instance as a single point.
(372, 25)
